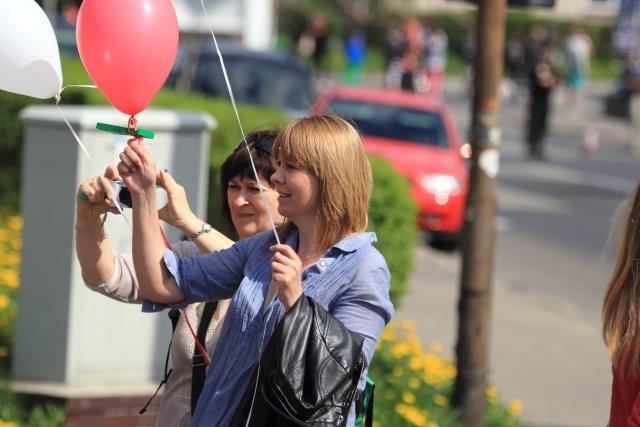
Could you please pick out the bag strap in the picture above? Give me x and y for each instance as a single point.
(199, 367)
(174, 315)
(369, 404)
(364, 406)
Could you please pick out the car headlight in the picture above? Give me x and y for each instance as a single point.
(441, 185)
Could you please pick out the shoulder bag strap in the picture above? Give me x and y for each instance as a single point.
(199, 366)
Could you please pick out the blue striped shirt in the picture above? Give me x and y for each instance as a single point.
(351, 282)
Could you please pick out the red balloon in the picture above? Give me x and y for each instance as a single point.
(128, 48)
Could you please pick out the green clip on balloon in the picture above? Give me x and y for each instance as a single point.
(121, 130)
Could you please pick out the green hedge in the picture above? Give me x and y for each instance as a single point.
(392, 215)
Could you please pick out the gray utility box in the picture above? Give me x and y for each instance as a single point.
(70, 341)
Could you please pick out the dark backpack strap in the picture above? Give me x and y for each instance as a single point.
(364, 404)
(369, 417)
(174, 315)
(199, 372)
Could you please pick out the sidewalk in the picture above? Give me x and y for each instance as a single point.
(546, 353)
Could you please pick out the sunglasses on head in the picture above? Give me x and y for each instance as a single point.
(264, 144)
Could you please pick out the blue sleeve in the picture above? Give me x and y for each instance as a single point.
(209, 277)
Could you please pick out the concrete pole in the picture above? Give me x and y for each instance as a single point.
(479, 230)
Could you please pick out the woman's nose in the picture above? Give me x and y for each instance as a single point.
(275, 177)
(240, 199)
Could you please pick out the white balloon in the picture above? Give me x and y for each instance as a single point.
(29, 54)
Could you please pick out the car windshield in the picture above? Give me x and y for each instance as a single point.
(263, 83)
(388, 121)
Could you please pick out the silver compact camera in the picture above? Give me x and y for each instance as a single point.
(121, 193)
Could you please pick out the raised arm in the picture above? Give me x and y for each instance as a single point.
(93, 250)
(138, 170)
(178, 214)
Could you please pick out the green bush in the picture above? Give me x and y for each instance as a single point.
(392, 216)
(13, 409)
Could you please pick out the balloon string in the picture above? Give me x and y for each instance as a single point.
(73, 132)
(244, 138)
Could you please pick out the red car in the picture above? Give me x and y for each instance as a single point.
(416, 133)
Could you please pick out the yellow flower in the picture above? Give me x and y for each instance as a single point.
(400, 350)
(388, 334)
(436, 347)
(16, 243)
(409, 398)
(437, 370)
(15, 223)
(412, 414)
(492, 394)
(414, 383)
(432, 424)
(515, 407)
(9, 278)
(4, 301)
(415, 364)
(441, 400)
(12, 258)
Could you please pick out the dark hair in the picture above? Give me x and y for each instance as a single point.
(238, 164)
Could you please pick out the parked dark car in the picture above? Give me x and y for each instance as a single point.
(272, 78)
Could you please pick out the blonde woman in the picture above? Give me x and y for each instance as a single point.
(325, 258)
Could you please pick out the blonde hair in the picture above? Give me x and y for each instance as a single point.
(331, 150)
(621, 306)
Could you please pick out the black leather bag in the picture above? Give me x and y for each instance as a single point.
(308, 373)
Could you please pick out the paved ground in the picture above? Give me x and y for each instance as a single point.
(544, 352)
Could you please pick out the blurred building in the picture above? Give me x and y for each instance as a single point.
(562, 8)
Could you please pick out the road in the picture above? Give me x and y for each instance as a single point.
(554, 215)
(552, 263)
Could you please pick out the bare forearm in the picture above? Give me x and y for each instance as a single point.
(154, 280)
(93, 249)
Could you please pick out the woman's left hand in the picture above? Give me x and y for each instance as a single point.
(286, 274)
(137, 168)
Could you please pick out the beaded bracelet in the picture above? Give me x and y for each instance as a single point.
(99, 229)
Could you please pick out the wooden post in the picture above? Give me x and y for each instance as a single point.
(479, 229)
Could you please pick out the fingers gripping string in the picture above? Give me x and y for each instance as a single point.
(235, 109)
(73, 132)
